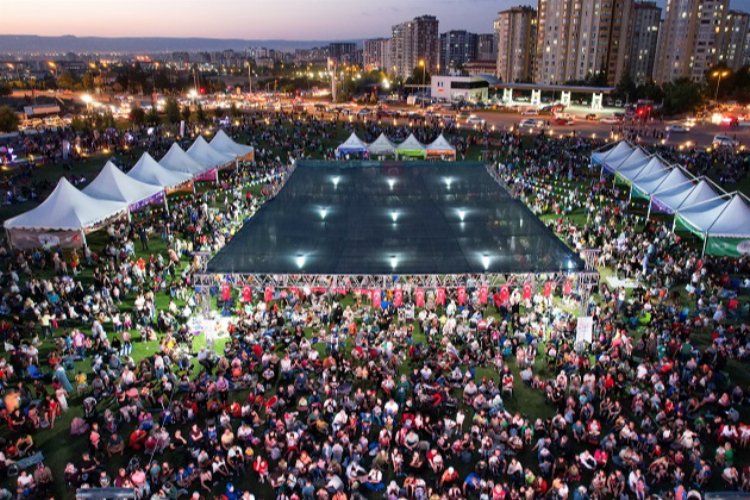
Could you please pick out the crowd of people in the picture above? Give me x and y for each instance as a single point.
(316, 395)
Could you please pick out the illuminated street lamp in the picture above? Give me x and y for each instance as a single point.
(719, 75)
(87, 100)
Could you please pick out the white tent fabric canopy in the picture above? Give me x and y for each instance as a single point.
(618, 150)
(205, 155)
(636, 158)
(150, 171)
(411, 143)
(178, 160)
(672, 197)
(441, 145)
(675, 177)
(112, 184)
(382, 146)
(66, 209)
(734, 221)
(628, 170)
(655, 168)
(701, 216)
(700, 193)
(352, 145)
(224, 144)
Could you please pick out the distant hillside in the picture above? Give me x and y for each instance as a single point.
(25, 44)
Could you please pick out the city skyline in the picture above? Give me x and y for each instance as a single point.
(285, 19)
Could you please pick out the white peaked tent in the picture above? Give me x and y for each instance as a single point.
(734, 221)
(700, 193)
(67, 211)
(440, 147)
(178, 160)
(112, 184)
(382, 146)
(150, 171)
(628, 169)
(667, 198)
(205, 155)
(649, 177)
(224, 144)
(618, 150)
(633, 160)
(352, 146)
(411, 147)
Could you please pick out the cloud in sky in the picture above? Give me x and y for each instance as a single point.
(252, 19)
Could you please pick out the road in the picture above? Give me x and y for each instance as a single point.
(701, 135)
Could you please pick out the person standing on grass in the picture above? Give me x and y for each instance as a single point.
(143, 236)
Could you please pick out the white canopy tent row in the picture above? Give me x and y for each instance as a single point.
(150, 171)
(645, 177)
(382, 146)
(631, 162)
(62, 219)
(441, 148)
(114, 185)
(178, 160)
(224, 144)
(208, 157)
(722, 222)
(411, 148)
(613, 155)
(678, 180)
(352, 146)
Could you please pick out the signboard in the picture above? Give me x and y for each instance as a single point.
(585, 329)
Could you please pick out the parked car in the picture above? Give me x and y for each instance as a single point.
(592, 117)
(475, 120)
(610, 120)
(531, 123)
(677, 128)
(724, 141)
(529, 112)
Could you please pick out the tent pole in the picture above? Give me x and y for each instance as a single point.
(83, 235)
(7, 238)
(166, 203)
(705, 243)
(648, 213)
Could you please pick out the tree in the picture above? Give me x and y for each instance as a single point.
(152, 117)
(186, 113)
(200, 114)
(8, 119)
(419, 75)
(172, 110)
(627, 89)
(5, 90)
(137, 116)
(66, 80)
(681, 96)
(218, 113)
(88, 81)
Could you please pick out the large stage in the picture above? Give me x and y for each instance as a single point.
(393, 218)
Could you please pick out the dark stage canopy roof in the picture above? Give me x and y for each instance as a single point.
(404, 218)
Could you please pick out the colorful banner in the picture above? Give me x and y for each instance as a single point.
(23, 239)
(461, 295)
(504, 294)
(548, 289)
(398, 297)
(226, 292)
(728, 247)
(185, 187)
(376, 298)
(527, 291)
(208, 176)
(483, 294)
(440, 299)
(419, 297)
(268, 294)
(156, 199)
(247, 294)
(567, 287)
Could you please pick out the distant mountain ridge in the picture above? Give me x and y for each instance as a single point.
(26, 44)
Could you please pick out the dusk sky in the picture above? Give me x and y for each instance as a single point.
(249, 19)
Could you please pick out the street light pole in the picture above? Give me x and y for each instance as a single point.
(719, 75)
